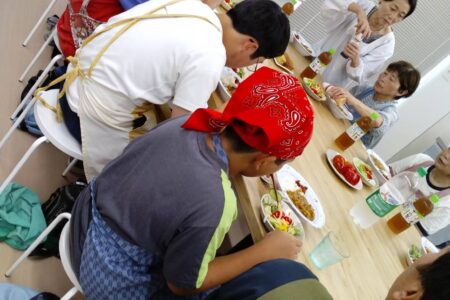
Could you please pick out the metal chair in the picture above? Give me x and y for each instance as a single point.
(54, 132)
(52, 36)
(27, 103)
(64, 253)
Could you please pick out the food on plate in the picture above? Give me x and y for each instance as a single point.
(339, 162)
(381, 166)
(285, 61)
(427, 250)
(299, 200)
(414, 253)
(239, 71)
(315, 87)
(230, 82)
(346, 169)
(228, 4)
(365, 170)
(340, 101)
(278, 218)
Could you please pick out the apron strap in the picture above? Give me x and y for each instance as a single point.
(71, 75)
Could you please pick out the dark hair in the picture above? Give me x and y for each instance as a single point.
(408, 76)
(239, 146)
(264, 21)
(412, 7)
(435, 278)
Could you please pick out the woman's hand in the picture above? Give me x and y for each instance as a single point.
(352, 51)
(363, 23)
(338, 93)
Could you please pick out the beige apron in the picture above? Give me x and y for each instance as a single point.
(106, 140)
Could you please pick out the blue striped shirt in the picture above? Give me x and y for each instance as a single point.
(386, 109)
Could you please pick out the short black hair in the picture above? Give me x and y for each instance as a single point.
(239, 146)
(264, 21)
(435, 278)
(412, 7)
(408, 76)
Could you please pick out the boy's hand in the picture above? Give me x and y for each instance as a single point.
(279, 244)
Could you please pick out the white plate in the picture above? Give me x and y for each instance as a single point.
(330, 155)
(370, 182)
(282, 67)
(287, 208)
(340, 112)
(377, 172)
(426, 244)
(301, 45)
(225, 6)
(310, 92)
(286, 178)
(223, 91)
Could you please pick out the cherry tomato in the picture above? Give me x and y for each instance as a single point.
(339, 162)
(351, 175)
(287, 219)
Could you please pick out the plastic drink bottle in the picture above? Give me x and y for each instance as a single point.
(289, 6)
(394, 192)
(355, 131)
(412, 213)
(357, 38)
(318, 64)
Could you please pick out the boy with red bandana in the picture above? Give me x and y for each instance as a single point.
(149, 226)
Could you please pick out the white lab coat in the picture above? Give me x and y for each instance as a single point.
(340, 25)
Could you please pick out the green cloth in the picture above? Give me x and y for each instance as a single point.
(21, 217)
(304, 289)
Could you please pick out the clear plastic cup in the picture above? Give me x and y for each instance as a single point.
(329, 251)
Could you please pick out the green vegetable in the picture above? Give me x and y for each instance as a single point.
(415, 253)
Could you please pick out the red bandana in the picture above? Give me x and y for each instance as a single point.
(269, 111)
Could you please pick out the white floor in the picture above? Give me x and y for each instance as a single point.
(42, 173)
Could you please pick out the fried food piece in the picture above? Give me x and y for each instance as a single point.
(299, 200)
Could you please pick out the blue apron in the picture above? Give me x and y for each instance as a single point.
(113, 268)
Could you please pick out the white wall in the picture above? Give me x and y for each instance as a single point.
(423, 117)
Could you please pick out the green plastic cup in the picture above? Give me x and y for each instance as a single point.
(328, 252)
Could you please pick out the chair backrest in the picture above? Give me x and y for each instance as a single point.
(64, 252)
(56, 132)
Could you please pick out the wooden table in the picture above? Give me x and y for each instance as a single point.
(377, 256)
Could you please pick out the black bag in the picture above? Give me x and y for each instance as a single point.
(28, 124)
(62, 200)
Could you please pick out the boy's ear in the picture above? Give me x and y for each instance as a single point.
(251, 44)
(412, 291)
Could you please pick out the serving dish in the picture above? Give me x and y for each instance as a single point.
(301, 45)
(330, 155)
(338, 111)
(284, 218)
(229, 80)
(314, 89)
(381, 169)
(301, 195)
(365, 171)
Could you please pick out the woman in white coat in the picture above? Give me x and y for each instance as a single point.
(345, 18)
